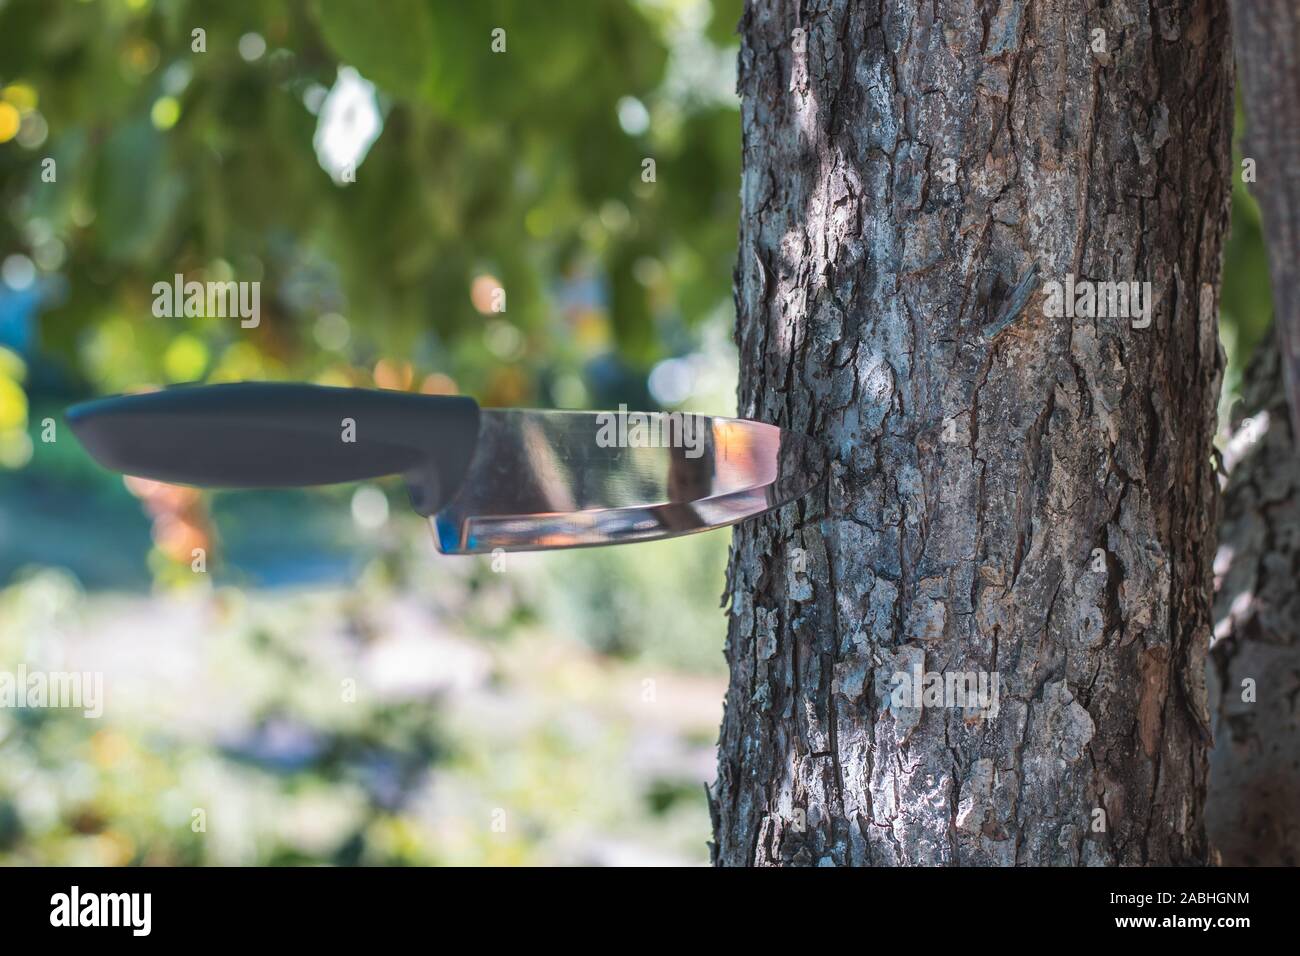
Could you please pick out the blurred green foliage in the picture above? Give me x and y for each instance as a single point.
(509, 164)
(1246, 301)
(513, 161)
(341, 727)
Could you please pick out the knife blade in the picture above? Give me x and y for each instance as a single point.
(487, 479)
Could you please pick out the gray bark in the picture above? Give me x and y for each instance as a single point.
(1253, 808)
(983, 453)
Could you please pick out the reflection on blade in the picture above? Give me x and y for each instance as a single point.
(543, 480)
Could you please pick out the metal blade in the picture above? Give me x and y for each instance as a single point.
(546, 479)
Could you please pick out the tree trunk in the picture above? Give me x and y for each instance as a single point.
(1253, 809)
(1011, 496)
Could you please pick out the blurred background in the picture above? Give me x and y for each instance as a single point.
(530, 203)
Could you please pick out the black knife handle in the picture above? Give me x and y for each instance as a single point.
(280, 434)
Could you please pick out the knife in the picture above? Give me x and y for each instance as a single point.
(486, 478)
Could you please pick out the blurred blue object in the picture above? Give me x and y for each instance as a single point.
(18, 311)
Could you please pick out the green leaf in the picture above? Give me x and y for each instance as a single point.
(391, 44)
(136, 193)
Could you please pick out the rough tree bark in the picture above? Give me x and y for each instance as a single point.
(1009, 493)
(1253, 809)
